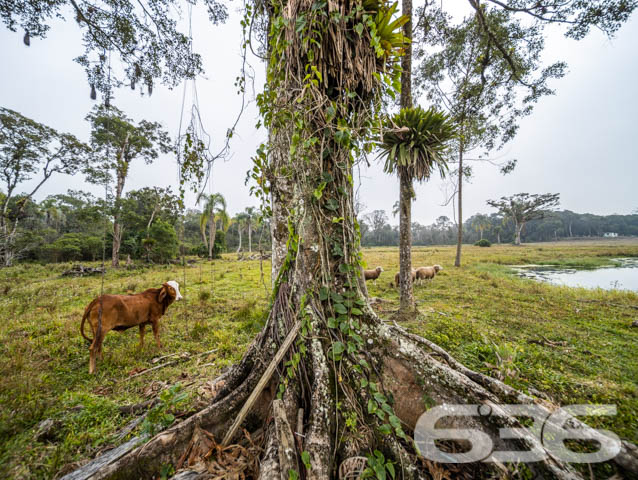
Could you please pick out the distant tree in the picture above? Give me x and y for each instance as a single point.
(251, 218)
(141, 207)
(497, 225)
(413, 147)
(76, 212)
(214, 210)
(162, 243)
(486, 69)
(117, 142)
(523, 207)
(481, 222)
(28, 151)
(54, 215)
(377, 219)
(466, 70)
(241, 220)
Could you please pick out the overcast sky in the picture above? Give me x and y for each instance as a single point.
(578, 143)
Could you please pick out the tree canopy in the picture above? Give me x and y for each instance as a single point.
(143, 35)
(523, 207)
(31, 151)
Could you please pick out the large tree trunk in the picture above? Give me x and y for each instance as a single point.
(204, 239)
(239, 232)
(279, 198)
(459, 237)
(250, 237)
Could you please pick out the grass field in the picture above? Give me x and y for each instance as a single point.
(586, 351)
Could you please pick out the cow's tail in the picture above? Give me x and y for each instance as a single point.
(87, 312)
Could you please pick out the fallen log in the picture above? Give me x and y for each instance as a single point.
(81, 271)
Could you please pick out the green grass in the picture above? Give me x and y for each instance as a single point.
(480, 312)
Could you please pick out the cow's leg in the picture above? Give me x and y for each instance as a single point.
(95, 350)
(142, 328)
(92, 354)
(99, 344)
(156, 332)
(99, 339)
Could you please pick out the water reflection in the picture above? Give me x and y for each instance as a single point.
(621, 277)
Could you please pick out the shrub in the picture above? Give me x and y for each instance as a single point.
(67, 247)
(218, 247)
(220, 244)
(162, 243)
(484, 242)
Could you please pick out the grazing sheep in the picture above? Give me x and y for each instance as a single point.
(120, 312)
(372, 274)
(396, 278)
(427, 273)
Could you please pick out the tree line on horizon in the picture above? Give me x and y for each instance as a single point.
(376, 229)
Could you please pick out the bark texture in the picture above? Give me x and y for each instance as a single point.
(405, 244)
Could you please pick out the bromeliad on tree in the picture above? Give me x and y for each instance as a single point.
(414, 146)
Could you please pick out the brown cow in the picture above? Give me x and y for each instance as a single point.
(120, 312)
(427, 273)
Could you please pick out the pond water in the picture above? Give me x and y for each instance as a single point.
(624, 276)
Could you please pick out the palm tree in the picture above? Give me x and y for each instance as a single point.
(214, 211)
(413, 145)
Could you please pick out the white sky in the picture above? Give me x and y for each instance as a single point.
(578, 143)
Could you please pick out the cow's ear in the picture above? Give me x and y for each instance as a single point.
(162, 293)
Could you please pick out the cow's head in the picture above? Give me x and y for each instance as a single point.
(170, 290)
(379, 269)
(437, 268)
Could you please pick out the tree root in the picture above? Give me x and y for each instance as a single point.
(318, 441)
(270, 462)
(627, 458)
